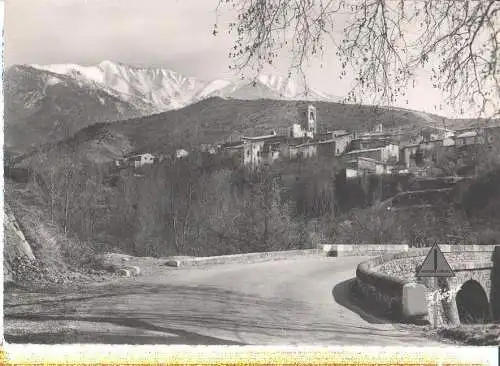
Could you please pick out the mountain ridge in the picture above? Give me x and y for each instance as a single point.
(168, 89)
(41, 106)
(50, 103)
(47, 103)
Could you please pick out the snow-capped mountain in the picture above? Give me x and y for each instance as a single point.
(152, 90)
(46, 103)
(42, 106)
(157, 90)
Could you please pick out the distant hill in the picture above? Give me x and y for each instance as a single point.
(216, 120)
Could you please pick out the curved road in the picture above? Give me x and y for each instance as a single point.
(297, 301)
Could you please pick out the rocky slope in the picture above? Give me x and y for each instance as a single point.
(17, 251)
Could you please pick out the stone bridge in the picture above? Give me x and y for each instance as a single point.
(471, 296)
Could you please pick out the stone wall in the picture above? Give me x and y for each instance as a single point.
(388, 281)
(343, 250)
(395, 296)
(241, 258)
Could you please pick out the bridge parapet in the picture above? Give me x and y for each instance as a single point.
(343, 250)
(390, 282)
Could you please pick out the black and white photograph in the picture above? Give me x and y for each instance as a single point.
(252, 172)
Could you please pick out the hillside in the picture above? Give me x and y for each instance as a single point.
(42, 107)
(36, 251)
(216, 120)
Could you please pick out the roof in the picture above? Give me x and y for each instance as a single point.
(467, 134)
(329, 141)
(263, 137)
(431, 141)
(372, 138)
(135, 155)
(276, 139)
(343, 135)
(266, 139)
(369, 160)
(232, 144)
(364, 150)
(305, 143)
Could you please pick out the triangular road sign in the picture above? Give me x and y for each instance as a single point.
(435, 265)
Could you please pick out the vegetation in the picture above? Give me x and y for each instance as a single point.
(176, 207)
(202, 205)
(472, 335)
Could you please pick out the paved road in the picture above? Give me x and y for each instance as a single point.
(299, 301)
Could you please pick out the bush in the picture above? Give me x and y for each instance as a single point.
(489, 237)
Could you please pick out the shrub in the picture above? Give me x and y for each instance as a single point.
(489, 237)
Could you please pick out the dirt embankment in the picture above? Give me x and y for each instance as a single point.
(32, 256)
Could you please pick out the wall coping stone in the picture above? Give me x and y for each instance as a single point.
(241, 258)
(465, 266)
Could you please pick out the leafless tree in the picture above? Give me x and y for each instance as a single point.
(381, 43)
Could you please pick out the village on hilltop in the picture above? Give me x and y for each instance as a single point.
(379, 151)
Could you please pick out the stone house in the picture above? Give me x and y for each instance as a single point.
(361, 166)
(385, 154)
(471, 137)
(303, 150)
(261, 149)
(428, 152)
(368, 143)
(181, 153)
(342, 143)
(407, 154)
(208, 148)
(327, 147)
(140, 160)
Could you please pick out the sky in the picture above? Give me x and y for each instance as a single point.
(175, 34)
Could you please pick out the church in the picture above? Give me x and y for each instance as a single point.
(302, 141)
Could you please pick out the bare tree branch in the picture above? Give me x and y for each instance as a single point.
(382, 44)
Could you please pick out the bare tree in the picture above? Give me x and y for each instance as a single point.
(381, 43)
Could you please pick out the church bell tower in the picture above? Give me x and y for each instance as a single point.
(311, 119)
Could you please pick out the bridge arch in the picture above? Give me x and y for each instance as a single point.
(472, 303)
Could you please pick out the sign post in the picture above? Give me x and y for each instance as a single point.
(436, 266)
